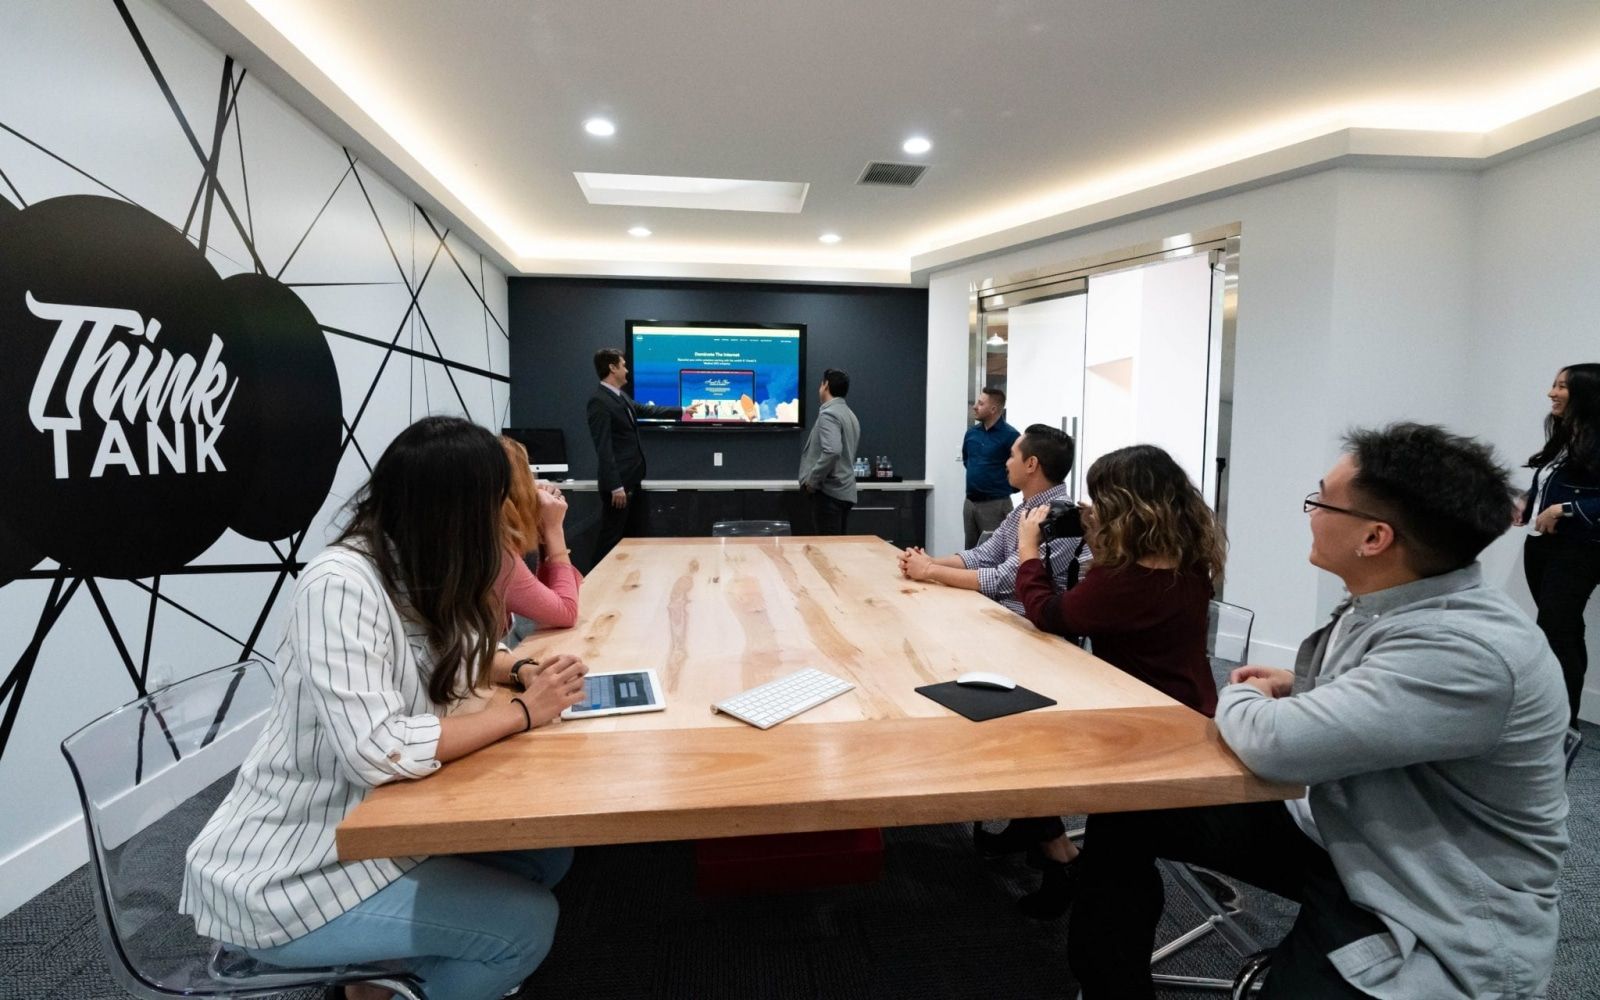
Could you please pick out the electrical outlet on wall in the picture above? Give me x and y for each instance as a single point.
(716, 459)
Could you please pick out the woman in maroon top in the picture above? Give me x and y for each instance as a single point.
(1143, 604)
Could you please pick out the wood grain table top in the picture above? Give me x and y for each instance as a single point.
(716, 616)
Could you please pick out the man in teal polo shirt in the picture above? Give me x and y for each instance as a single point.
(984, 451)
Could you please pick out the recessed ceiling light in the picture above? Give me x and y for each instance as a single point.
(718, 193)
(638, 231)
(600, 127)
(917, 145)
(830, 237)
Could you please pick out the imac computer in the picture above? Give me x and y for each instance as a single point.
(547, 448)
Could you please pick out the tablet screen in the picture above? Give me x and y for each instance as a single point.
(628, 690)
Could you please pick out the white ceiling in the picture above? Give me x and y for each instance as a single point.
(1036, 108)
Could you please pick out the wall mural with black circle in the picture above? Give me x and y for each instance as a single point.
(212, 319)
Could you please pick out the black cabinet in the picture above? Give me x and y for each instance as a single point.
(897, 516)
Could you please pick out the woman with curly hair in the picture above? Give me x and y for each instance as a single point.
(1562, 557)
(1143, 604)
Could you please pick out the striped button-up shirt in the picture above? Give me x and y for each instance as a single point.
(996, 560)
(351, 712)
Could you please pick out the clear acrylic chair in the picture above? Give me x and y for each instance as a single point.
(741, 529)
(1227, 646)
(1228, 633)
(149, 775)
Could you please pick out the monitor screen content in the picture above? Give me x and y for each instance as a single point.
(721, 375)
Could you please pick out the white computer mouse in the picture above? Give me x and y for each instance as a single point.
(982, 679)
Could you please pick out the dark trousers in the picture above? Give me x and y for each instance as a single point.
(615, 525)
(828, 516)
(1562, 574)
(1113, 924)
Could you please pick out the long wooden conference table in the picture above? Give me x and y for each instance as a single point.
(717, 616)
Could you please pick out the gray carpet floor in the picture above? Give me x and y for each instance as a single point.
(939, 923)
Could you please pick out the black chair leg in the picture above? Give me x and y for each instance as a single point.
(1250, 973)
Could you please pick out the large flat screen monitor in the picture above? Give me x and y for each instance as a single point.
(723, 375)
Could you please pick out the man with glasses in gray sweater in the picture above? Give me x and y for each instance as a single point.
(1427, 719)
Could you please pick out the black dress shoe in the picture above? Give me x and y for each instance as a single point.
(1007, 841)
(1056, 891)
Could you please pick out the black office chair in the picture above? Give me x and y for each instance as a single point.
(1227, 646)
(747, 529)
(149, 775)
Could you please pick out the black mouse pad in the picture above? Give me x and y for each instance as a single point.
(982, 704)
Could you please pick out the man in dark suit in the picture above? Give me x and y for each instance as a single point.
(614, 426)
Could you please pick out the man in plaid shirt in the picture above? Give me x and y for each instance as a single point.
(1040, 461)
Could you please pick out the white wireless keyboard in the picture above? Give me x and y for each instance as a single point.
(784, 698)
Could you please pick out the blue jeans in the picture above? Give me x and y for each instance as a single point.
(470, 927)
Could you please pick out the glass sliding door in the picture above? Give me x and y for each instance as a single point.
(1130, 347)
(1147, 359)
(1046, 365)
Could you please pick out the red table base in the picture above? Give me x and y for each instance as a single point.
(787, 861)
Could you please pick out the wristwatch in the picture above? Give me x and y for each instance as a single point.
(516, 681)
(1566, 509)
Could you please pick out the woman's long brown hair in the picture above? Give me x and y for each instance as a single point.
(1145, 506)
(429, 518)
(1577, 430)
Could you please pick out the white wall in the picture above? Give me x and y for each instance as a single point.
(72, 81)
(1366, 295)
(1536, 307)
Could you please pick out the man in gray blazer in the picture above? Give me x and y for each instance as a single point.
(827, 465)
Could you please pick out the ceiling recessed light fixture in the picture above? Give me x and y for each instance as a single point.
(599, 126)
(917, 145)
(830, 237)
(651, 191)
(638, 231)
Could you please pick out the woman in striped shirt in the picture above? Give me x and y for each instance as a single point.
(388, 627)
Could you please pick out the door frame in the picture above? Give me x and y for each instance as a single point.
(1052, 281)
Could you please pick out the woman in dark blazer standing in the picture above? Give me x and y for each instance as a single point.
(1562, 555)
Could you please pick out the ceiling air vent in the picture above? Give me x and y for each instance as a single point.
(892, 174)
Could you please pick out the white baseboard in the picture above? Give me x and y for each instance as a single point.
(42, 864)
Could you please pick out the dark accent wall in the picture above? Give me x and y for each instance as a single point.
(878, 335)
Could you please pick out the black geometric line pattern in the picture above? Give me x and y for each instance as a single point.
(215, 203)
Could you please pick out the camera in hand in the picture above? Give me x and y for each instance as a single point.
(1064, 521)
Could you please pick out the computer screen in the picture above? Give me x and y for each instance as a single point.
(547, 446)
(723, 375)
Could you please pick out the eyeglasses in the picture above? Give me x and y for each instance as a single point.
(1311, 502)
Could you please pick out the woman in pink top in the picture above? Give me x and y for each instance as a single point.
(533, 524)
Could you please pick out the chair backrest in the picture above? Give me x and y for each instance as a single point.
(737, 529)
(984, 536)
(1228, 632)
(149, 775)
